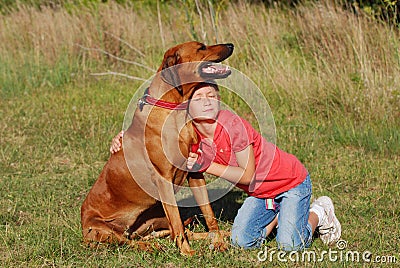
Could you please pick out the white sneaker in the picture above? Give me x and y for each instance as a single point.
(329, 227)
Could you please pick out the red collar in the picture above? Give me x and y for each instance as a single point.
(147, 99)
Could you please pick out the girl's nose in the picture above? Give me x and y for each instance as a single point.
(207, 101)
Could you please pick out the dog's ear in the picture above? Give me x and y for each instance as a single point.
(169, 71)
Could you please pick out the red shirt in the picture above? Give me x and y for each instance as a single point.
(276, 171)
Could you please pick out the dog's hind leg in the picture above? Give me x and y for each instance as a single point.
(150, 228)
(101, 231)
(157, 234)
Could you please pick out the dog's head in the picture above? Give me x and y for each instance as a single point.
(194, 62)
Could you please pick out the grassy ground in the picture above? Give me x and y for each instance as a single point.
(330, 78)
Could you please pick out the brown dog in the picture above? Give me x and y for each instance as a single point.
(134, 194)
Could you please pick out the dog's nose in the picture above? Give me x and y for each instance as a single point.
(230, 46)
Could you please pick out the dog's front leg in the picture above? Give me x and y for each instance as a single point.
(167, 197)
(199, 190)
(198, 187)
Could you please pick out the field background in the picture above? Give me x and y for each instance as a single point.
(331, 78)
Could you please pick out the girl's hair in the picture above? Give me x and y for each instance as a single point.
(210, 83)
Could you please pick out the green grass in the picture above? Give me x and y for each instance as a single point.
(55, 142)
(337, 111)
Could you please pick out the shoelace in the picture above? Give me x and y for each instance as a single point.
(328, 230)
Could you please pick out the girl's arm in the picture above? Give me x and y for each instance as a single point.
(242, 174)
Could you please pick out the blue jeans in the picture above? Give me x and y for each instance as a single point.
(293, 232)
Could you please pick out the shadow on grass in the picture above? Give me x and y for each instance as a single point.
(225, 208)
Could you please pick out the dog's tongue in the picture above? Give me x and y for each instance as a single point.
(215, 69)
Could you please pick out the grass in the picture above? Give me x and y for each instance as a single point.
(330, 78)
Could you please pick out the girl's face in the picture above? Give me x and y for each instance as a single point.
(204, 104)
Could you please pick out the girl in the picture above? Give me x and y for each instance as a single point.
(278, 185)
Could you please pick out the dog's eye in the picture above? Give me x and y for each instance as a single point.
(203, 47)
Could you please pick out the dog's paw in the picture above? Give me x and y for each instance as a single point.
(218, 242)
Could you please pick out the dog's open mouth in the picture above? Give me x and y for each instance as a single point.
(214, 70)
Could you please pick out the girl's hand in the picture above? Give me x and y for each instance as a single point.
(116, 143)
(191, 160)
(202, 159)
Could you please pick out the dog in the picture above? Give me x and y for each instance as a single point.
(133, 196)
